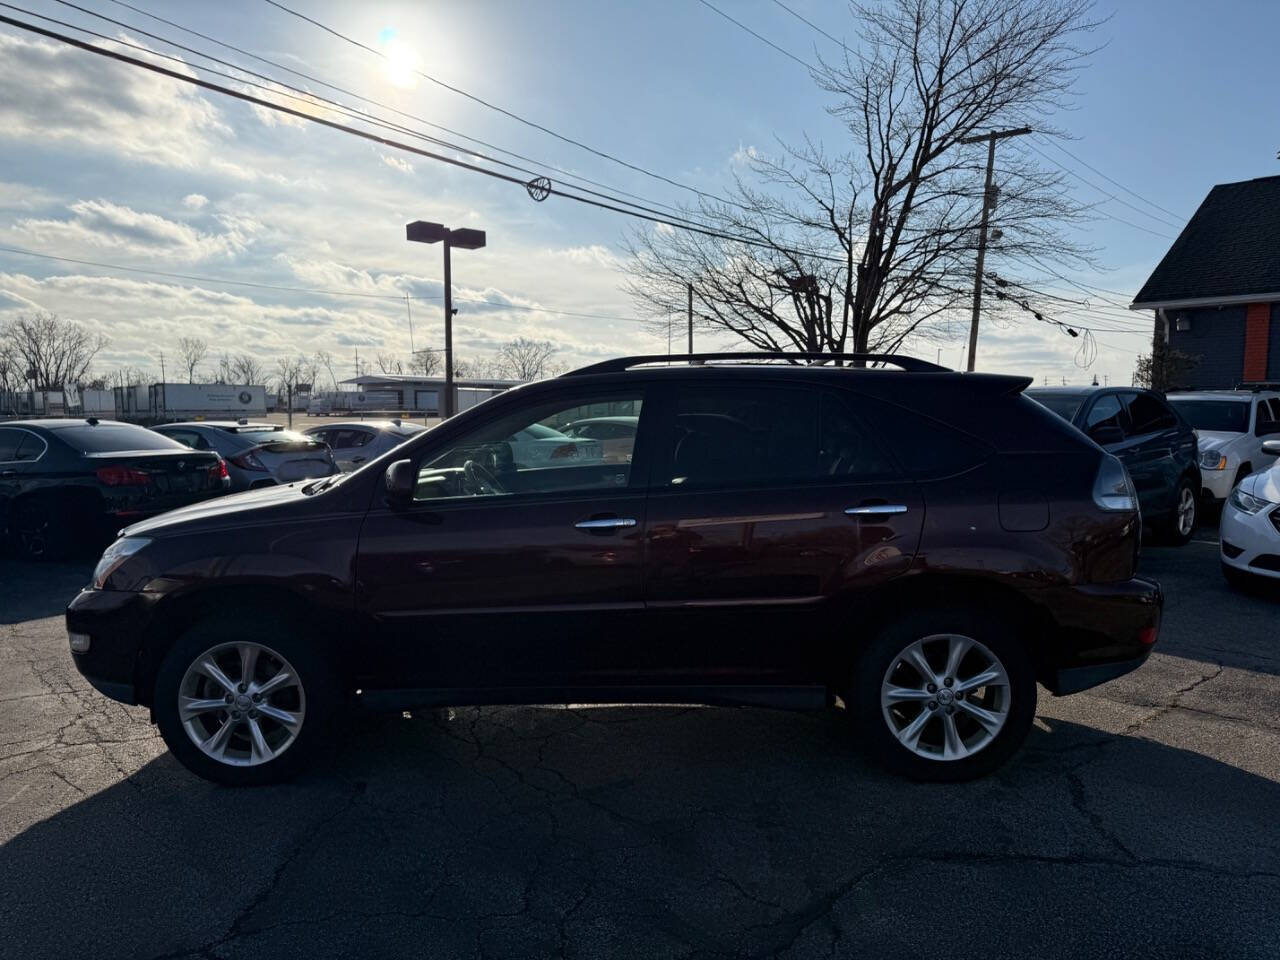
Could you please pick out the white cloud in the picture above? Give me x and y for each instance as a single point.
(396, 163)
(195, 201)
(594, 255)
(104, 225)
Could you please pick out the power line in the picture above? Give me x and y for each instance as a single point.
(675, 223)
(810, 23)
(738, 23)
(1133, 193)
(377, 103)
(311, 99)
(502, 110)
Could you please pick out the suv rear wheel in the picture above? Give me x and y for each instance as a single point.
(944, 695)
(247, 710)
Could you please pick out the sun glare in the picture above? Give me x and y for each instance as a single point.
(402, 64)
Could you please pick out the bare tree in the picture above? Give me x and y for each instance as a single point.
(389, 363)
(12, 372)
(52, 352)
(130, 376)
(427, 363)
(525, 359)
(193, 351)
(323, 358)
(862, 246)
(247, 369)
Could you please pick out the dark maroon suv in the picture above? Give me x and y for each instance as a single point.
(916, 546)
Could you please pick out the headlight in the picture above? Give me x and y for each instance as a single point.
(1213, 460)
(116, 554)
(1247, 502)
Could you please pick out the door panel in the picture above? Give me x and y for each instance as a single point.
(752, 550)
(498, 574)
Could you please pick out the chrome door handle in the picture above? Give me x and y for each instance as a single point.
(609, 523)
(876, 510)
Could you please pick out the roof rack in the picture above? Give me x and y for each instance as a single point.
(617, 365)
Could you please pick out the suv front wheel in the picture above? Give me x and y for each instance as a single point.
(243, 711)
(944, 695)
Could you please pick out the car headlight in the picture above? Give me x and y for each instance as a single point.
(113, 556)
(1213, 460)
(1247, 502)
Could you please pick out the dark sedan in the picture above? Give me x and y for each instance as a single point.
(1153, 441)
(70, 483)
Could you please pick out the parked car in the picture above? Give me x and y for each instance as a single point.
(66, 484)
(358, 441)
(617, 435)
(1156, 445)
(538, 444)
(924, 545)
(1249, 533)
(257, 454)
(1230, 426)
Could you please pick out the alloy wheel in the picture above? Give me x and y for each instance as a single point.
(1186, 511)
(945, 697)
(241, 703)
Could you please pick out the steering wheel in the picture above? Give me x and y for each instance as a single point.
(479, 481)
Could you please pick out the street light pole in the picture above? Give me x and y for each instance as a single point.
(988, 201)
(420, 231)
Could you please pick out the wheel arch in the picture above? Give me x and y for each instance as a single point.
(175, 614)
(1030, 622)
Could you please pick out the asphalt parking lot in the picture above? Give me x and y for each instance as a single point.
(1139, 821)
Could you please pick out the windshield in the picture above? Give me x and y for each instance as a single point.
(106, 437)
(1064, 405)
(1227, 416)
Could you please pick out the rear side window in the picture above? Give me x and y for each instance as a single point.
(30, 448)
(9, 440)
(751, 435)
(107, 437)
(1148, 413)
(925, 448)
(343, 439)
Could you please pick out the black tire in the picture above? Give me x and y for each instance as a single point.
(308, 657)
(873, 727)
(40, 530)
(1171, 530)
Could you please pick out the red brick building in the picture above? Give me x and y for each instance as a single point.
(1216, 293)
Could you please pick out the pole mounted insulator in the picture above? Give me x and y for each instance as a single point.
(539, 188)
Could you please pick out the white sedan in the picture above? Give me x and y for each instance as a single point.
(1249, 534)
(538, 445)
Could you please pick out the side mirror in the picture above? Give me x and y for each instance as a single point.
(1271, 448)
(1105, 434)
(401, 478)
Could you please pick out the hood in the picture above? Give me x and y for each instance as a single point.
(1216, 439)
(1265, 484)
(233, 508)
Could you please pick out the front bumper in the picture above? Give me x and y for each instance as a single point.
(1104, 630)
(1216, 485)
(115, 622)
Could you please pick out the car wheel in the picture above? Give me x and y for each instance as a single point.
(245, 711)
(1186, 512)
(944, 695)
(39, 530)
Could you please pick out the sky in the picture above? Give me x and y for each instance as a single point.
(103, 162)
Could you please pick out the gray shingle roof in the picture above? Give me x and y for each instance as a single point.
(1229, 248)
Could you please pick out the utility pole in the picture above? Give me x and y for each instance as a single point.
(988, 202)
(689, 288)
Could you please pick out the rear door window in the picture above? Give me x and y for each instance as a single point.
(1106, 412)
(9, 441)
(1148, 413)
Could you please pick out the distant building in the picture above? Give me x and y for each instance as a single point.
(386, 392)
(1216, 293)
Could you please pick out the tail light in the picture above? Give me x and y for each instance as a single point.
(1113, 491)
(118, 476)
(248, 461)
(218, 471)
(564, 450)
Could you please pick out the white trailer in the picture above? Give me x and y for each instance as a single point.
(206, 401)
(98, 403)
